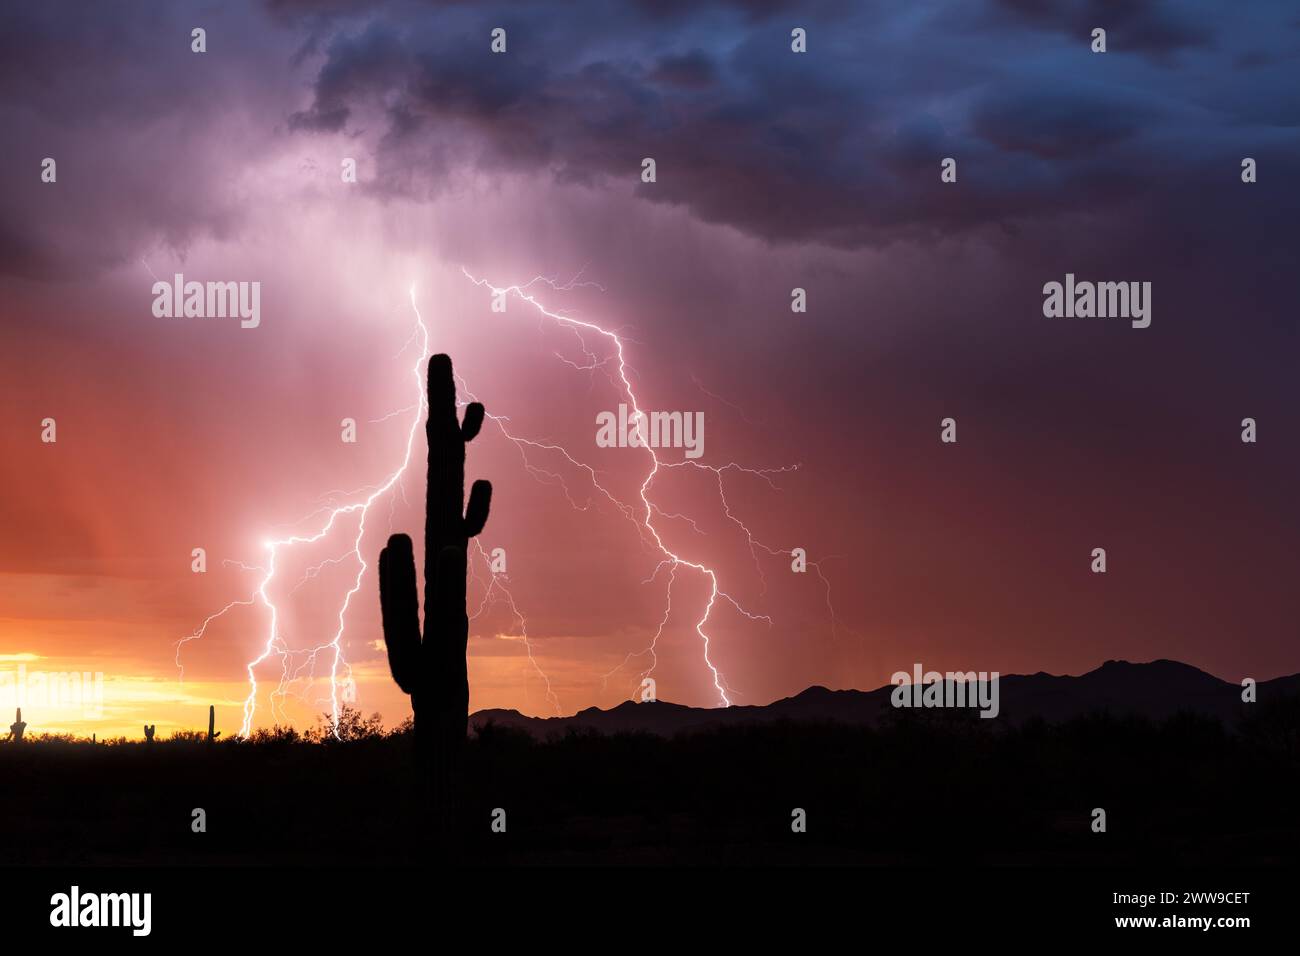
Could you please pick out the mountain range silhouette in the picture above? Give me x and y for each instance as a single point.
(1157, 690)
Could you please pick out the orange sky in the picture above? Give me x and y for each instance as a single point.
(924, 302)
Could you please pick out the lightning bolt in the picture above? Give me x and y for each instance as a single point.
(361, 507)
(495, 583)
(643, 516)
(360, 502)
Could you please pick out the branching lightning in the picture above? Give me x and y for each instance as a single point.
(643, 515)
(300, 662)
(274, 644)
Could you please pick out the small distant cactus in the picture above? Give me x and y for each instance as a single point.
(148, 732)
(17, 727)
(212, 717)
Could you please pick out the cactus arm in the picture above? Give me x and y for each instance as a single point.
(476, 514)
(472, 422)
(400, 611)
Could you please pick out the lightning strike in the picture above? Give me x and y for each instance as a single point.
(274, 646)
(644, 515)
(341, 504)
(334, 648)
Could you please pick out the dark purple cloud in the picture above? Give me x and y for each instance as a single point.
(840, 145)
(1153, 27)
(775, 170)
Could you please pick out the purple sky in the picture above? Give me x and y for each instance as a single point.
(775, 170)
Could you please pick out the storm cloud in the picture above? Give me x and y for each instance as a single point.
(839, 146)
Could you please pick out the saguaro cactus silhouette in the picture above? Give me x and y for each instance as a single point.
(433, 670)
(212, 717)
(148, 732)
(17, 727)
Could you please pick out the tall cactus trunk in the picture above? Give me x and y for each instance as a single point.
(433, 670)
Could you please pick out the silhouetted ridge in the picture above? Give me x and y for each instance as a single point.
(1157, 689)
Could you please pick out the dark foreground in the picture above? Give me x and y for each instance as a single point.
(922, 788)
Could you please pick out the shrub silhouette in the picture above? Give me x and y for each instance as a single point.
(351, 725)
(279, 736)
(1272, 727)
(907, 792)
(433, 670)
(148, 732)
(188, 736)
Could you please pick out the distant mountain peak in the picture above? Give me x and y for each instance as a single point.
(1155, 689)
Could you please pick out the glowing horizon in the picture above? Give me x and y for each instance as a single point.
(778, 173)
